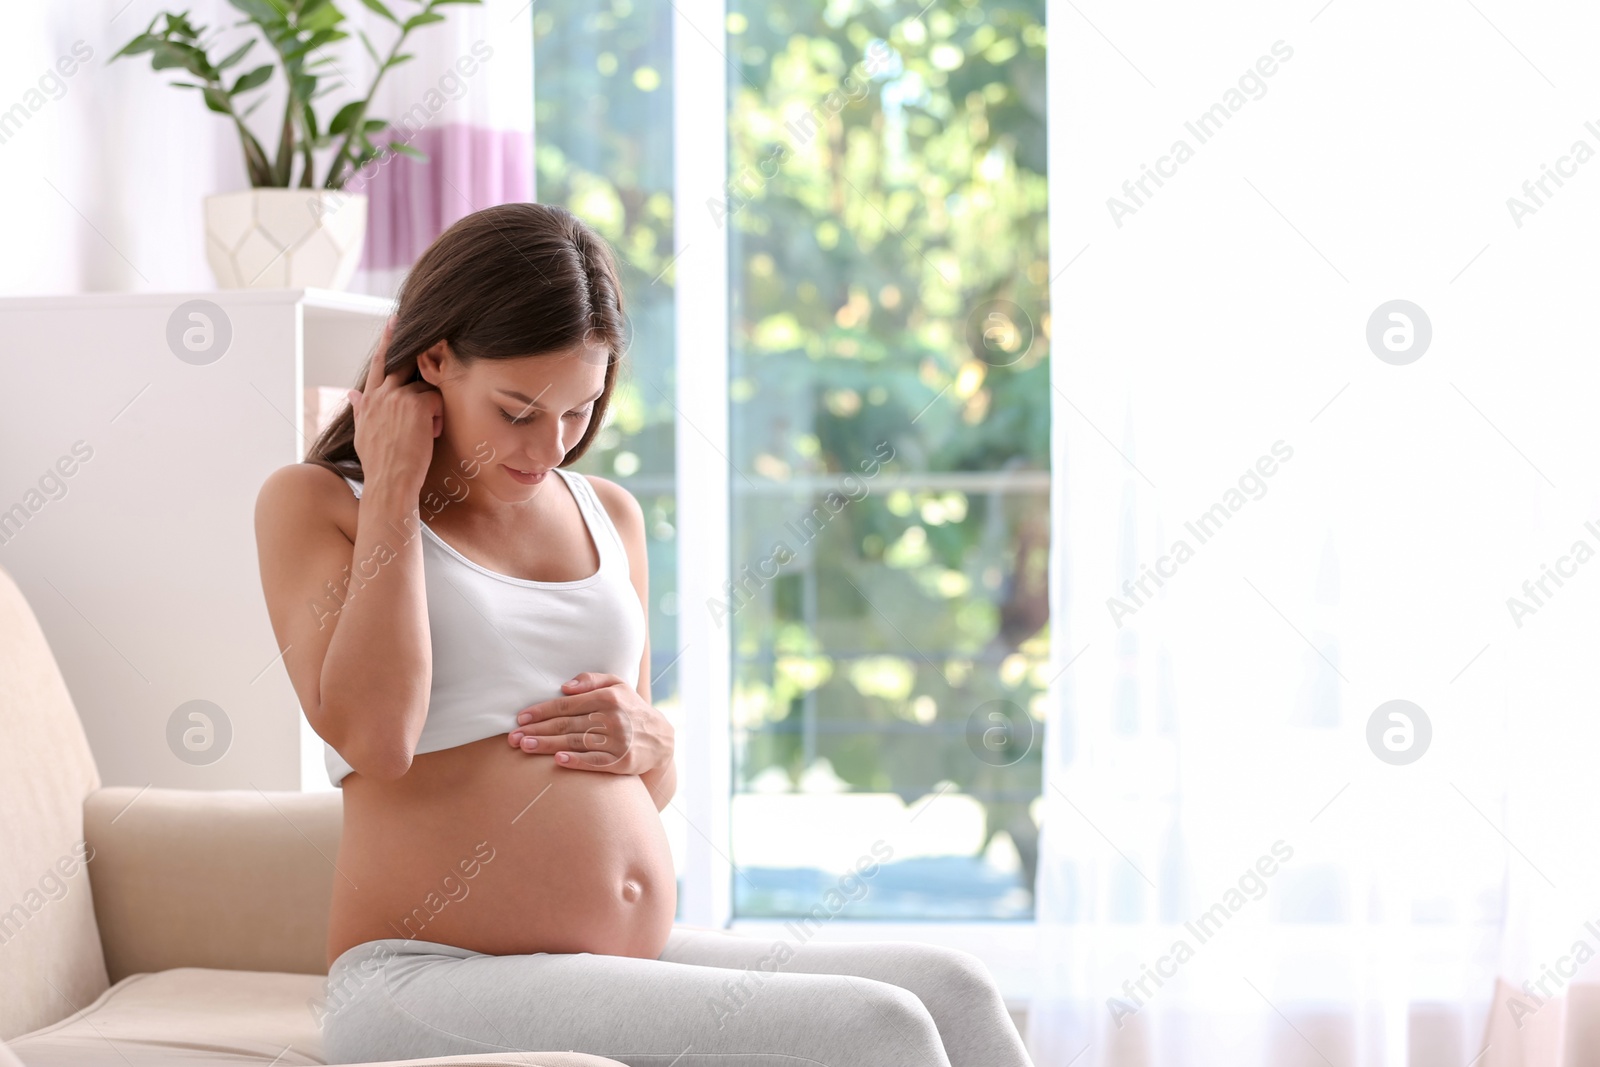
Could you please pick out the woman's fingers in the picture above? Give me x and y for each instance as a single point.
(585, 751)
(595, 761)
(375, 364)
(582, 729)
(380, 358)
(590, 680)
(592, 723)
(589, 740)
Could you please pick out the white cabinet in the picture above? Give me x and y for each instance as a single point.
(137, 429)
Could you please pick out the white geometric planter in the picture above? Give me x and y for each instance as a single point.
(285, 238)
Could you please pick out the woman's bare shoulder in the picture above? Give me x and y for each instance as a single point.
(620, 504)
(628, 518)
(302, 494)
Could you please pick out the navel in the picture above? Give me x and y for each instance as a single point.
(632, 891)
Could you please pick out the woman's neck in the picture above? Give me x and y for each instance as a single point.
(454, 486)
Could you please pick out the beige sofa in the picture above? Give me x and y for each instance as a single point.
(155, 926)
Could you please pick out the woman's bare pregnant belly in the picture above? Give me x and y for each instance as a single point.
(500, 851)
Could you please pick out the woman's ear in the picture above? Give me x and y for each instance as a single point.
(430, 364)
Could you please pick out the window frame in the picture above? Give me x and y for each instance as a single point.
(700, 251)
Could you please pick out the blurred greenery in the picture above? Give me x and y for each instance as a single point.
(887, 238)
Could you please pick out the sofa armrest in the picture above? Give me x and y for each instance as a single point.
(236, 879)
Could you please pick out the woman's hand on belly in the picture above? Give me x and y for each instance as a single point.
(602, 724)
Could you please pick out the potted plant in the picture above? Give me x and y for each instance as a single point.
(289, 229)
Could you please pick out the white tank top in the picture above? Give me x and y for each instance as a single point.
(502, 643)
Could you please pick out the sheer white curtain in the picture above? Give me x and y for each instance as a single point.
(1546, 1009)
(1267, 528)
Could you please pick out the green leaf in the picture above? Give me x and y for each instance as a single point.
(169, 54)
(377, 5)
(373, 126)
(142, 43)
(217, 100)
(399, 59)
(261, 11)
(253, 79)
(295, 51)
(180, 26)
(402, 147)
(322, 37)
(237, 54)
(371, 51)
(283, 163)
(320, 16)
(345, 117)
(421, 20)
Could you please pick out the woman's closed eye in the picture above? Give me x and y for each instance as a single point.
(515, 421)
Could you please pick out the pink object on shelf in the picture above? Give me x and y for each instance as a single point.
(321, 405)
(410, 202)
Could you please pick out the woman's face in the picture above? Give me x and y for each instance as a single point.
(514, 415)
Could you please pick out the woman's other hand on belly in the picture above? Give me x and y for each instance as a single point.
(602, 724)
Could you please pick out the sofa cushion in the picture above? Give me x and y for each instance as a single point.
(188, 1015)
(193, 1016)
(50, 955)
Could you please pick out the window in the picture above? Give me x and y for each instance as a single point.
(889, 435)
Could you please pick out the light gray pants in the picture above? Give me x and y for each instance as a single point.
(712, 999)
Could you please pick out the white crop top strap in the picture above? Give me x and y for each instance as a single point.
(610, 543)
(500, 643)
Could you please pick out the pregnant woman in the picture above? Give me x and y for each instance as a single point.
(464, 622)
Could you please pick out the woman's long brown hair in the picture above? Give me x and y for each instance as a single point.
(507, 282)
